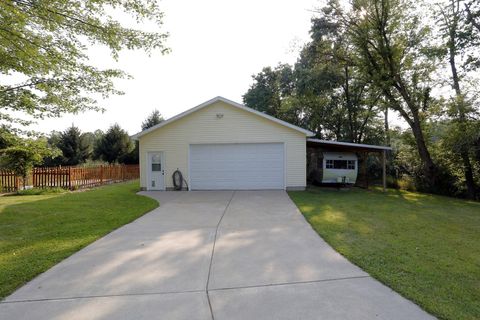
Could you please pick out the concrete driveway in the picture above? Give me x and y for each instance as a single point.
(210, 255)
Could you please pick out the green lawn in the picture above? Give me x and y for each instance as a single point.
(425, 247)
(38, 231)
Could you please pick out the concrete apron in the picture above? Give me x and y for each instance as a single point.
(209, 255)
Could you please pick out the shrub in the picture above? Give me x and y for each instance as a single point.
(406, 183)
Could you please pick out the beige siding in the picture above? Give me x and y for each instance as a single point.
(236, 126)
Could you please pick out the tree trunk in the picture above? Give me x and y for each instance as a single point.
(428, 165)
(415, 124)
(460, 104)
(387, 128)
(348, 103)
(469, 180)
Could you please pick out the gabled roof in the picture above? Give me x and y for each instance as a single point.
(348, 144)
(229, 102)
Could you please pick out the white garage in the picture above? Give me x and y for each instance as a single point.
(221, 144)
(237, 166)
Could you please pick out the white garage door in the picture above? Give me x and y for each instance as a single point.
(237, 166)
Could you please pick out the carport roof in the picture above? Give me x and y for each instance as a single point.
(229, 102)
(347, 145)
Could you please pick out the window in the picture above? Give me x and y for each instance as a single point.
(156, 162)
(351, 164)
(340, 164)
(329, 164)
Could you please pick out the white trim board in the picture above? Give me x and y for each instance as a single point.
(350, 144)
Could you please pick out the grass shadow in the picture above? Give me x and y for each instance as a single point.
(38, 231)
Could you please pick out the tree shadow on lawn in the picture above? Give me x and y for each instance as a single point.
(43, 230)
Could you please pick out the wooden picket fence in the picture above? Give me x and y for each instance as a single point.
(9, 182)
(70, 177)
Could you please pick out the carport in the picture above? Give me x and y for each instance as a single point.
(316, 148)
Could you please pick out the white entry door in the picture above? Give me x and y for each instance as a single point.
(237, 166)
(156, 171)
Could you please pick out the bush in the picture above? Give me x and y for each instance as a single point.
(392, 182)
(445, 183)
(406, 183)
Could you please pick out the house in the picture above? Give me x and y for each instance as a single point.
(223, 145)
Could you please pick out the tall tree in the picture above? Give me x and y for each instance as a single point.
(324, 91)
(44, 58)
(114, 146)
(328, 70)
(74, 146)
(153, 119)
(91, 139)
(392, 44)
(270, 89)
(456, 36)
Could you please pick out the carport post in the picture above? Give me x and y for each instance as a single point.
(384, 166)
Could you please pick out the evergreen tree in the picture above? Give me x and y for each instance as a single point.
(153, 119)
(74, 146)
(114, 146)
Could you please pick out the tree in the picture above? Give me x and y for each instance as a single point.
(114, 145)
(43, 43)
(74, 146)
(344, 100)
(53, 140)
(153, 119)
(23, 156)
(91, 139)
(7, 138)
(324, 91)
(472, 8)
(269, 90)
(393, 48)
(456, 37)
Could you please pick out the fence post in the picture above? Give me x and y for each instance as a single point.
(384, 170)
(101, 175)
(70, 178)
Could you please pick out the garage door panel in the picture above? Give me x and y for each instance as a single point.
(237, 166)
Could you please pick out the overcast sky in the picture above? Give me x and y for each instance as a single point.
(216, 46)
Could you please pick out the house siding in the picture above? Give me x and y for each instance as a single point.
(236, 126)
